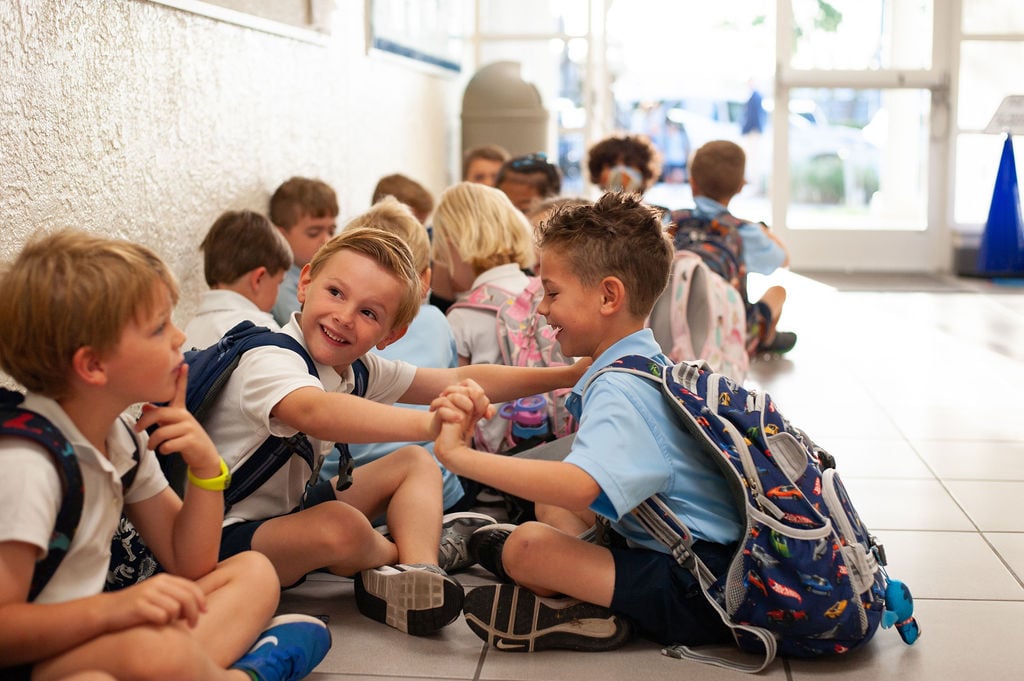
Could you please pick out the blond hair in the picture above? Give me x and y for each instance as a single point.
(387, 250)
(483, 226)
(70, 290)
(391, 215)
(238, 242)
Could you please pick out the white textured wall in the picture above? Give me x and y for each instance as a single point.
(133, 119)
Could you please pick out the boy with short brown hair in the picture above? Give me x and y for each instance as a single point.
(408, 191)
(716, 176)
(85, 326)
(603, 265)
(244, 260)
(306, 212)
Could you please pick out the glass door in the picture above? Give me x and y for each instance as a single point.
(862, 89)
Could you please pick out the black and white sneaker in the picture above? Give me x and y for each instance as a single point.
(456, 528)
(515, 619)
(416, 599)
(485, 546)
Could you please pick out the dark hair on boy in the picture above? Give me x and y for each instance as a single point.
(635, 151)
(717, 169)
(619, 235)
(407, 191)
(533, 169)
(489, 152)
(239, 242)
(299, 197)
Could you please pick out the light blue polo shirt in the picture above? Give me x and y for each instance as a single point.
(760, 254)
(631, 444)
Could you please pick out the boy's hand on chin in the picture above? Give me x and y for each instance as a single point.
(178, 431)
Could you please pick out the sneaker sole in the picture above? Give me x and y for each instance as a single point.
(514, 619)
(417, 602)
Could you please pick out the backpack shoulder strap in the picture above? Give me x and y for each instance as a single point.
(485, 297)
(211, 368)
(19, 422)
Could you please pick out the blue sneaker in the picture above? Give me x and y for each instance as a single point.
(288, 649)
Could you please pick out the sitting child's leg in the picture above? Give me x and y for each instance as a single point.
(412, 592)
(763, 317)
(242, 594)
(548, 563)
(332, 535)
(406, 487)
(570, 522)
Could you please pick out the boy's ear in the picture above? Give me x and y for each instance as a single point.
(87, 366)
(304, 280)
(613, 295)
(395, 335)
(257, 278)
(425, 277)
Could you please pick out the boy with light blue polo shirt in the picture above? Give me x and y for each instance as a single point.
(716, 176)
(602, 266)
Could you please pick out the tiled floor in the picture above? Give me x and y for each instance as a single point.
(911, 384)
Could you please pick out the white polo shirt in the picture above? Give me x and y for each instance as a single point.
(219, 311)
(30, 497)
(242, 419)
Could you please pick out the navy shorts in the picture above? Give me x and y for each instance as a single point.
(663, 600)
(20, 673)
(238, 537)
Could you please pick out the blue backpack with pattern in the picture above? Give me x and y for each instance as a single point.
(807, 578)
(17, 421)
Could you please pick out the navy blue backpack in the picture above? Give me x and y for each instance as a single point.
(807, 578)
(20, 422)
(209, 371)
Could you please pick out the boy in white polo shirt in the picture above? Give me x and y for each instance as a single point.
(244, 261)
(104, 309)
(361, 290)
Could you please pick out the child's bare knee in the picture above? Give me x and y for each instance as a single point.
(159, 653)
(417, 458)
(524, 544)
(254, 568)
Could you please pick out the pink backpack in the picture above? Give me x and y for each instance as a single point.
(702, 316)
(525, 341)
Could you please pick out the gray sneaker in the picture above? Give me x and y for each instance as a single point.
(456, 528)
(416, 599)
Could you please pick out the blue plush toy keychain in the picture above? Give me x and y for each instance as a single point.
(899, 610)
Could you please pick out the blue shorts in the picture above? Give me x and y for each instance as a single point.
(238, 537)
(663, 600)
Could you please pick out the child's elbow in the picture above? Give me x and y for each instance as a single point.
(582, 494)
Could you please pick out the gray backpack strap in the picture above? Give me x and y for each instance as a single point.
(662, 524)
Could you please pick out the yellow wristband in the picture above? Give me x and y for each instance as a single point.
(217, 484)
